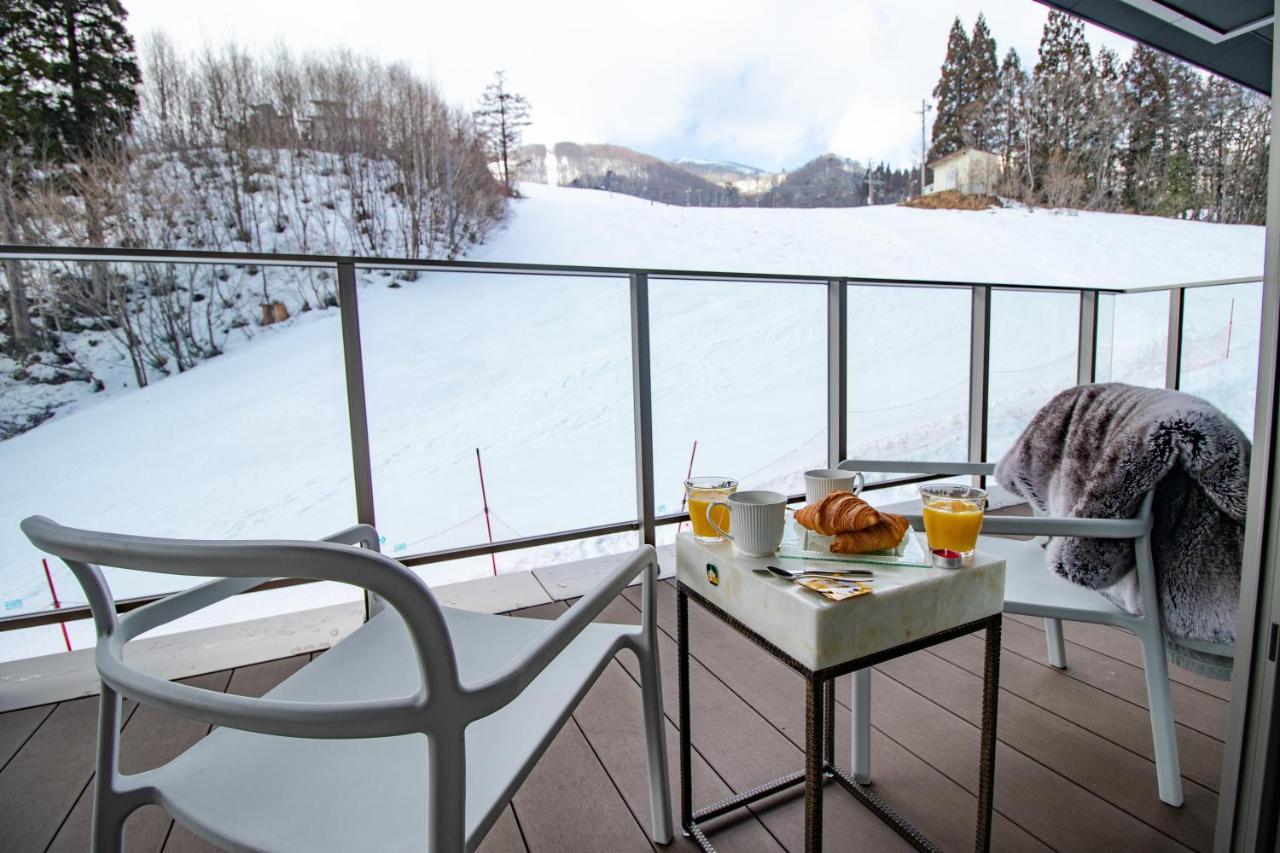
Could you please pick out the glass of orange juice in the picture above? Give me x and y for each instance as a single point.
(701, 491)
(952, 521)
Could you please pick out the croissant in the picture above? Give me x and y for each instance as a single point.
(877, 537)
(838, 512)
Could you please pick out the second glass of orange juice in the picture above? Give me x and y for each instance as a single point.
(953, 517)
(701, 491)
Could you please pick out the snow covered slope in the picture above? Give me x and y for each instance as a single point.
(535, 372)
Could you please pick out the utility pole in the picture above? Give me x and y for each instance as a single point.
(922, 112)
(874, 182)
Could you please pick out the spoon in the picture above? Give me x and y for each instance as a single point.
(786, 573)
(862, 576)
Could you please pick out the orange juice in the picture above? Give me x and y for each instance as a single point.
(698, 516)
(952, 523)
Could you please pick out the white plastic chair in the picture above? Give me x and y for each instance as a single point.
(1032, 588)
(413, 733)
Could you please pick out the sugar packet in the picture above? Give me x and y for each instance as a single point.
(836, 590)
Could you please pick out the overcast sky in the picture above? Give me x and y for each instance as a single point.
(770, 84)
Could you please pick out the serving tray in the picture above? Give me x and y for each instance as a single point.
(800, 543)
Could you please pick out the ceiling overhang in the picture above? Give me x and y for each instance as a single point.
(1230, 39)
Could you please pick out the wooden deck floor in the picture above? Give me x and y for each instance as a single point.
(1073, 771)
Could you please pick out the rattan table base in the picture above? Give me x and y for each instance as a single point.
(820, 766)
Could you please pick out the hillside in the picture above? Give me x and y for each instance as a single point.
(616, 169)
(535, 372)
(159, 320)
(825, 181)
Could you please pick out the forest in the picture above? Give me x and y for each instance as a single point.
(1149, 134)
(105, 145)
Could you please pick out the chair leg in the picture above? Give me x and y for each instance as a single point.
(655, 722)
(655, 736)
(447, 783)
(109, 813)
(1057, 647)
(1163, 733)
(860, 760)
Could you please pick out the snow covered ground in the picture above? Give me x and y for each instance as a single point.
(535, 372)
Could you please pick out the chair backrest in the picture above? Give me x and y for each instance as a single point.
(240, 566)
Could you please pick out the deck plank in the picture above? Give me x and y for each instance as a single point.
(1120, 644)
(1039, 799)
(149, 739)
(570, 793)
(504, 836)
(1101, 767)
(942, 809)
(1103, 713)
(17, 726)
(910, 785)
(569, 803)
(612, 718)
(42, 782)
(1193, 708)
(1073, 769)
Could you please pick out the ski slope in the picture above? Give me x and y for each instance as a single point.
(535, 372)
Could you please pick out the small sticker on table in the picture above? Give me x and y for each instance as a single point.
(713, 575)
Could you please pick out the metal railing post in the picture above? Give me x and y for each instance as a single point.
(837, 371)
(642, 404)
(979, 371)
(1087, 342)
(1173, 358)
(357, 416)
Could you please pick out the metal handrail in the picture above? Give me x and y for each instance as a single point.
(647, 519)
(201, 256)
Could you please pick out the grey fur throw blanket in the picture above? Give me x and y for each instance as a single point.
(1094, 451)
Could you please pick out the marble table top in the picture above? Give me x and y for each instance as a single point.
(907, 602)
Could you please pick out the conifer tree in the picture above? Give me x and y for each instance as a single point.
(69, 83)
(951, 95)
(96, 72)
(1064, 76)
(502, 117)
(1147, 94)
(1062, 101)
(24, 104)
(1104, 133)
(1007, 112)
(981, 86)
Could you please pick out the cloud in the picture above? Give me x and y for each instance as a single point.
(767, 83)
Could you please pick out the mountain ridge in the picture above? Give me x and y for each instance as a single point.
(828, 180)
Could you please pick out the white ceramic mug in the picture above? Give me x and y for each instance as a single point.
(756, 518)
(821, 482)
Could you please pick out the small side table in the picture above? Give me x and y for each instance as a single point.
(910, 609)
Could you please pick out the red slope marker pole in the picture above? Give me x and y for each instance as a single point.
(685, 496)
(484, 498)
(48, 576)
(1230, 319)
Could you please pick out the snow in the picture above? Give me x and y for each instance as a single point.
(535, 372)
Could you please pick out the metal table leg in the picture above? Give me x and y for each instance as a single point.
(987, 761)
(682, 678)
(820, 741)
(815, 745)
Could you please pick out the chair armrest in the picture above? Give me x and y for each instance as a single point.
(199, 597)
(363, 535)
(526, 666)
(242, 565)
(942, 469)
(1088, 528)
